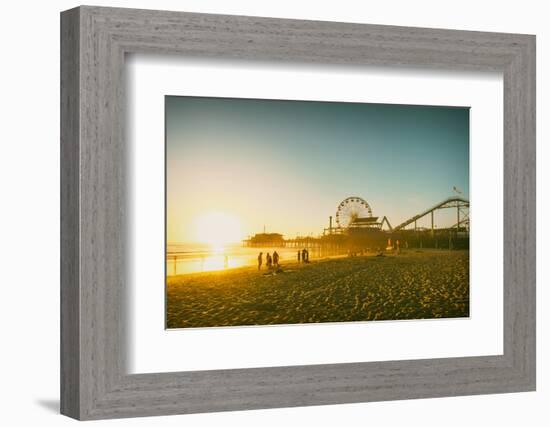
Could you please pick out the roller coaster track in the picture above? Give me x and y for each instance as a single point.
(451, 202)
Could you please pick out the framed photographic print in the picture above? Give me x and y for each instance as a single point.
(247, 181)
(262, 213)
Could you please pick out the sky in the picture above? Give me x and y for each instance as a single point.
(286, 165)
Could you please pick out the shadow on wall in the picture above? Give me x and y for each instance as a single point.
(51, 405)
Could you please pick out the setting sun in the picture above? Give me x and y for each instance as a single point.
(217, 229)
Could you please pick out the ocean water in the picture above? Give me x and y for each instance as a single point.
(193, 258)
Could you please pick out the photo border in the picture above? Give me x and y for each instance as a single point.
(94, 229)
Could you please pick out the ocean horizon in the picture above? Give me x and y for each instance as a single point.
(186, 258)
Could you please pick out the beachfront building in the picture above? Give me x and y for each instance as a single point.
(265, 240)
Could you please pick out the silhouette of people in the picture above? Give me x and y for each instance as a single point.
(299, 256)
(305, 255)
(268, 261)
(275, 259)
(260, 260)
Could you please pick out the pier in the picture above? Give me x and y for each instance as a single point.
(356, 229)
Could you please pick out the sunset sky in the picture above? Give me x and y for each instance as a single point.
(240, 164)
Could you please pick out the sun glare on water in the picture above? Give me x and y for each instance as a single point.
(217, 229)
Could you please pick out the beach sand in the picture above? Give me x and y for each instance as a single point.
(413, 285)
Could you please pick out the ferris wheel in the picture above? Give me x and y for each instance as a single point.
(350, 210)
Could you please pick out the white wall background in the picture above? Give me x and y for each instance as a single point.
(29, 212)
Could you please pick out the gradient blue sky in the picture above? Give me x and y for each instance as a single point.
(288, 164)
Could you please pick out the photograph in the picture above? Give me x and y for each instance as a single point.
(285, 212)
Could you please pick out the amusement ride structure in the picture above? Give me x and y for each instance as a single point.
(355, 226)
(355, 213)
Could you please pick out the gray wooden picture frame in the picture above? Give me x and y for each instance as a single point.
(94, 381)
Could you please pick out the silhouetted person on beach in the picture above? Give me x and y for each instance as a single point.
(260, 260)
(299, 257)
(268, 261)
(305, 255)
(275, 259)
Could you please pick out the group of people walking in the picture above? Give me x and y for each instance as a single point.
(303, 255)
(270, 261)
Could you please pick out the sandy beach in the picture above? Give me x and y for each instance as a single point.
(412, 285)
